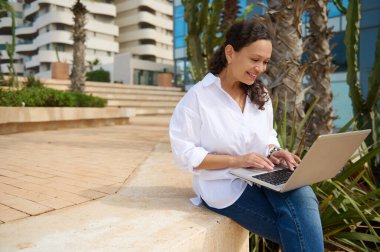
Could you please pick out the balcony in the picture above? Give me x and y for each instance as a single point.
(146, 34)
(25, 47)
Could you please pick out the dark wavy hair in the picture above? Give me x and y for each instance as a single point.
(242, 34)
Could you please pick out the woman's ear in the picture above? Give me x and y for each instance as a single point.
(229, 52)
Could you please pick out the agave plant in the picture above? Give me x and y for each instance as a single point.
(349, 203)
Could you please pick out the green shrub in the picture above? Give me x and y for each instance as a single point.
(32, 81)
(100, 75)
(47, 97)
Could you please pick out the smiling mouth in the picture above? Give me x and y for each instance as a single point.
(253, 76)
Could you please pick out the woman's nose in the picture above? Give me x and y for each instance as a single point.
(259, 67)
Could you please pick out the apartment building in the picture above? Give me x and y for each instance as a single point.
(6, 37)
(45, 35)
(145, 40)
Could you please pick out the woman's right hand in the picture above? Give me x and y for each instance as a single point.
(255, 160)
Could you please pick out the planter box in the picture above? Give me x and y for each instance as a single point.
(60, 70)
(165, 79)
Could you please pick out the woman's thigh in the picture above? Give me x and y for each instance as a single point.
(254, 212)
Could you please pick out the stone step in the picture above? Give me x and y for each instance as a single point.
(134, 97)
(99, 90)
(154, 111)
(114, 86)
(147, 100)
(139, 103)
(133, 91)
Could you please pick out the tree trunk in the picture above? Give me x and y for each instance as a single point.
(78, 71)
(319, 69)
(286, 72)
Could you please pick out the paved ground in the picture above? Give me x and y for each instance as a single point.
(44, 171)
(57, 193)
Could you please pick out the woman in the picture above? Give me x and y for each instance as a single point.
(226, 122)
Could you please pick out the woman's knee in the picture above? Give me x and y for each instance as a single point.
(303, 196)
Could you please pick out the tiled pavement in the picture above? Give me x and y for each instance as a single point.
(44, 171)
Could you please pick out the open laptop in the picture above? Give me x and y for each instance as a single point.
(324, 160)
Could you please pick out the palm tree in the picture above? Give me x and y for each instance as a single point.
(320, 67)
(284, 20)
(78, 71)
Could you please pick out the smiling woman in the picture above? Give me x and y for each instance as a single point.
(226, 122)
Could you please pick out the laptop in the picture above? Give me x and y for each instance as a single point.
(324, 160)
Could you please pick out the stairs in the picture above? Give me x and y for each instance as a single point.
(147, 100)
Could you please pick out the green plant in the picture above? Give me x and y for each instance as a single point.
(32, 81)
(92, 64)
(349, 203)
(99, 75)
(38, 96)
(365, 109)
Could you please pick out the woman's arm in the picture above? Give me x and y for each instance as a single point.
(254, 160)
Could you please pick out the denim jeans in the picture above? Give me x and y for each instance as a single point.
(290, 219)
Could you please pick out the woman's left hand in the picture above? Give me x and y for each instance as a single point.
(291, 160)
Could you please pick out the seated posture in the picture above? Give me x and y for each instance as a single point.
(226, 122)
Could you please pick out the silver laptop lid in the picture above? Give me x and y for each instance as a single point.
(326, 158)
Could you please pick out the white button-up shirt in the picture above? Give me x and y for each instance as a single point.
(208, 120)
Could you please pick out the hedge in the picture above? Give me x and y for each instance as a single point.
(48, 97)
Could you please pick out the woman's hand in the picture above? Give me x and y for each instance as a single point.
(255, 160)
(284, 156)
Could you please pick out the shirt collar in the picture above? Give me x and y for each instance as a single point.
(210, 79)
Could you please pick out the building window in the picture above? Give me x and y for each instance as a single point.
(339, 52)
(60, 27)
(144, 25)
(180, 72)
(60, 47)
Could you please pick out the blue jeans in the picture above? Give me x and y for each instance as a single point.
(290, 219)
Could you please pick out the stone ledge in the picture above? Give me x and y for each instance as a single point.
(23, 119)
(46, 114)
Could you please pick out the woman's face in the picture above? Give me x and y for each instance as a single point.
(248, 63)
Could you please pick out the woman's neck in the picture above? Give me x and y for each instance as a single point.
(230, 84)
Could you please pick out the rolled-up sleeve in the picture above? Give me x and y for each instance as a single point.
(184, 132)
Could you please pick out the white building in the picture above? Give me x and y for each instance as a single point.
(145, 40)
(6, 37)
(47, 28)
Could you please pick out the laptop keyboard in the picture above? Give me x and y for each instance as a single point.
(275, 178)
